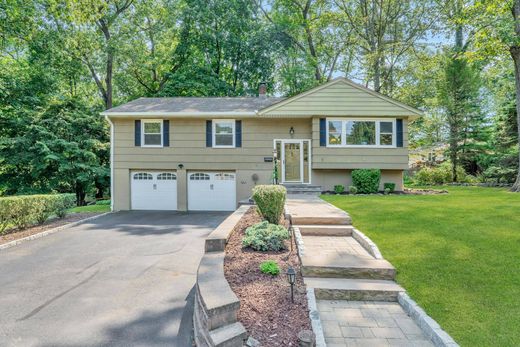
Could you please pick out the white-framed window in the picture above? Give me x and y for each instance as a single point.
(151, 133)
(199, 176)
(369, 132)
(166, 176)
(143, 176)
(224, 133)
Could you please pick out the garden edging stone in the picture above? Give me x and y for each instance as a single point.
(428, 325)
(50, 231)
(216, 305)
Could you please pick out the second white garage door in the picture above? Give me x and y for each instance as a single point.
(211, 191)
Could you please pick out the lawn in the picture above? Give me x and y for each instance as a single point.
(91, 208)
(457, 254)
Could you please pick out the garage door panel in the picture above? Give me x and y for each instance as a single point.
(209, 191)
(154, 191)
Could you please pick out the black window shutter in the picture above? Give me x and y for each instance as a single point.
(323, 132)
(137, 137)
(209, 135)
(399, 132)
(238, 133)
(166, 133)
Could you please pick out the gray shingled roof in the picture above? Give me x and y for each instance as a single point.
(196, 104)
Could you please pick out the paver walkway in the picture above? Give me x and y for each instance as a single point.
(368, 323)
(355, 291)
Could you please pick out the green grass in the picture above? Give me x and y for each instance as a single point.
(91, 208)
(457, 254)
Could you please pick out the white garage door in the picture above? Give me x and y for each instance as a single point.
(210, 191)
(153, 190)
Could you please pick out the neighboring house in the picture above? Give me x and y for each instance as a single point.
(207, 153)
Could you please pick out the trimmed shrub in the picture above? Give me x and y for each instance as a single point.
(387, 191)
(270, 267)
(441, 174)
(352, 190)
(389, 186)
(24, 210)
(265, 236)
(366, 180)
(103, 202)
(270, 200)
(338, 189)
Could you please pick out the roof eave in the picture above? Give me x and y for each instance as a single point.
(178, 114)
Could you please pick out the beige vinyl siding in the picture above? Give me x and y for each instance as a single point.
(339, 99)
(188, 145)
(357, 157)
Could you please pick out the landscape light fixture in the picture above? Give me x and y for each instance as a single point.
(291, 277)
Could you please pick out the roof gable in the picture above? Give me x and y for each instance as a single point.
(340, 97)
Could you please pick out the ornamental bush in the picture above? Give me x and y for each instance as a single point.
(366, 180)
(270, 267)
(389, 186)
(24, 210)
(265, 236)
(270, 200)
(338, 189)
(441, 174)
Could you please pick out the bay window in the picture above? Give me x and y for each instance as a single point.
(360, 133)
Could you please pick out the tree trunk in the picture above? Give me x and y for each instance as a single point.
(515, 54)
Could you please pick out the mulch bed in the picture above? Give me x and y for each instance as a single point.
(15, 234)
(266, 310)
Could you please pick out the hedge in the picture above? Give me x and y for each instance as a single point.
(366, 180)
(24, 210)
(270, 200)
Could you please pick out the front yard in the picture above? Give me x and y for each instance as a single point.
(457, 254)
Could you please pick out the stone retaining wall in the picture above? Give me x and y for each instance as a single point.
(216, 306)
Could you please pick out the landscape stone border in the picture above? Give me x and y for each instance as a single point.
(428, 325)
(215, 321)
(50, 231)
(314, 315)
(367, 244)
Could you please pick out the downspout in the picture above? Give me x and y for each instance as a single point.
(111, 163)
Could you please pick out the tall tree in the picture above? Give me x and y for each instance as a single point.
(385, 30)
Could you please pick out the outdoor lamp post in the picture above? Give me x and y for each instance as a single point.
(291, 277)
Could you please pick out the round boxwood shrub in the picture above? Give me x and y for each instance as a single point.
(366, 180)
(270, 200)
(265, 236)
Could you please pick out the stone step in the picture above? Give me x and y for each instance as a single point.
(346, 266)
(353, 289)
(321, 220)
(325, 230)
(229, 335)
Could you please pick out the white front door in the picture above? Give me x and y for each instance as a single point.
(212, 191)
(295, 160)
(152, 190)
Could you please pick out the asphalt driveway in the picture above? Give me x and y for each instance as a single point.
(120, 280)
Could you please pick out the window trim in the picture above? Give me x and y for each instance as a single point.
(143, 122)
(214, 132)
(377, 135)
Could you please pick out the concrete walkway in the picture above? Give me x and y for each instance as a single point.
(354, 287)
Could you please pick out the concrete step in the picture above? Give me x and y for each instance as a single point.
(353, 289)
(325, 230)
(303, 189)
(346, 266)
(229, 335)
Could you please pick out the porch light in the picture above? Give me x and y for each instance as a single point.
(180, 166)
(275, 154)
(291, 278)
(291, 131)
